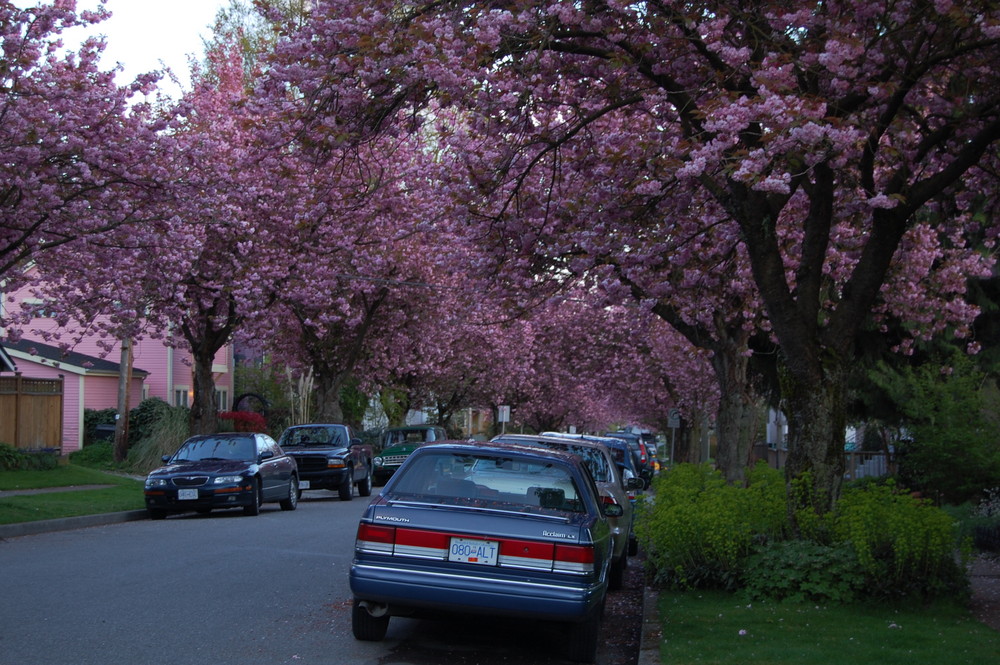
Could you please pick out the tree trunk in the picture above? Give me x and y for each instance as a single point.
(737, 418)
(328, 409)
(204, 414)
(816, 430)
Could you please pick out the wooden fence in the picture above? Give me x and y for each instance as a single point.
(31, 412)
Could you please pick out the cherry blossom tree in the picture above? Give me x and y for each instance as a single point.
(832, 142)
(78, 159)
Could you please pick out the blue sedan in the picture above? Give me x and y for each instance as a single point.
(488, 529)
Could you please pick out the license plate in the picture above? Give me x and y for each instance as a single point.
(187, 495)
(468, 550)
(303, 484)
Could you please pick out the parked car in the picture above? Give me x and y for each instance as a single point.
(330, 457)
(599, 461)
(228, 470)
(625, 459)
(490, 529)
(398, 442)
(645, 463)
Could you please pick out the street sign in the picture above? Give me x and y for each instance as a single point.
(503, 414)
(674, 418)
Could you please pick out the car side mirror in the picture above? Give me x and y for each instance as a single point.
(267, 454)
(166, 458)
(355, 442)
(634, 484)
(612, 510)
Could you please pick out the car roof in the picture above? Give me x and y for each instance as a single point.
(479, 447)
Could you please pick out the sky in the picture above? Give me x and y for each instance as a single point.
(142, 33)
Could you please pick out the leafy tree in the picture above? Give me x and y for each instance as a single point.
(951, 448)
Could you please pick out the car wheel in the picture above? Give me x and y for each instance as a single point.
(616, 576)
(346, 490)
(156, 514)
(254, 507)
(583, 638)
(292, 501)
(365, 486)
(367, 627)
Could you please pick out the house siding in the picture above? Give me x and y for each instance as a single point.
(167, 369)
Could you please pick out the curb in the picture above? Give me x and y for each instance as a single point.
(649, 640)
(64, 523)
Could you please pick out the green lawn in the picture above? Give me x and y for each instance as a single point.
(717, 629)
(124, 494)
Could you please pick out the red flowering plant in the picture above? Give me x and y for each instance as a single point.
(244, 421)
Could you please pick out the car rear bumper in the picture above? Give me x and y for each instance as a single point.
(408, 588)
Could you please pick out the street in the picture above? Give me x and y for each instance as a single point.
(225, 589)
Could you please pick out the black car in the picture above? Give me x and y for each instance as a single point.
(331, 457)
(227, 470)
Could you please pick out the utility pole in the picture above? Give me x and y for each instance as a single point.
(124, 383)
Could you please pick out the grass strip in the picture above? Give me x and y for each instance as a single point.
(711, 628)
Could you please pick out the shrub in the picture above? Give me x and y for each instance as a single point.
(700, 529)
(92, 418)
(802, 570)
(12, 459)
(243, 421)
(904, 545)
(100, 455)
(163, 437)
(144, 418)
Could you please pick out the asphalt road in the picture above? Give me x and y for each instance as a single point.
(223, 589)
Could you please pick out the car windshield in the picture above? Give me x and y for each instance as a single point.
(398, 437)
(312, 436)
(489, 481)
(217, 448)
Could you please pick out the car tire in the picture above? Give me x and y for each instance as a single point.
(156, 514)
(583, 638)
(365, 486)
(366, 627)
(633, 545)
(616, 576)
(291, 502)
(346, 490)
(254, 508)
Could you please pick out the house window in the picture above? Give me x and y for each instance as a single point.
(181, 396)
(222, 399)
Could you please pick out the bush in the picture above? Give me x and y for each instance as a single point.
(904, 545)
(163, 437)
(242, 421)
(12, 459)
(802, 570)
(91, 419)
(985, 522)
(143, 419)
(700, 530)
(100, 455)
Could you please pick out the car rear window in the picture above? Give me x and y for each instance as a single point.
(507, 482)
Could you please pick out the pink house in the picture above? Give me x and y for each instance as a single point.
(91, 374)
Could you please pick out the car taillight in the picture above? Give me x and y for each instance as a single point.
(513, 553)
(574, 559)
(608, 500)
